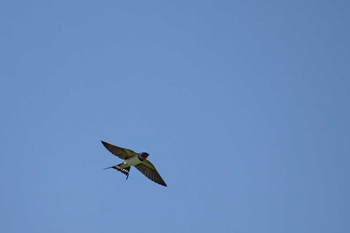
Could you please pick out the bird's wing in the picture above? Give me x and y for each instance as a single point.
(147, 168)
(122, 153)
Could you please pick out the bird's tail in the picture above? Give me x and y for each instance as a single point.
(118, 167)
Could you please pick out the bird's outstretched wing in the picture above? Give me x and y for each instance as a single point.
(147, 168)
(122, 153)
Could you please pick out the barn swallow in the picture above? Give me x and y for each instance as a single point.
(138, 160)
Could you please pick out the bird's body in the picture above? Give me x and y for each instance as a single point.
(138, 160)
(131, 162)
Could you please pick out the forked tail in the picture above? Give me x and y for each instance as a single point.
(125, 171)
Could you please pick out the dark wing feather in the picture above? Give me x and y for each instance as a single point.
(147, 168)
(122, 153)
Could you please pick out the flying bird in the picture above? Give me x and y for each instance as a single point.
(138, 160)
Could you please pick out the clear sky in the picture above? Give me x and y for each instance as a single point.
(242, 105)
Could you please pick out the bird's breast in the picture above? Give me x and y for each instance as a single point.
(132, 161)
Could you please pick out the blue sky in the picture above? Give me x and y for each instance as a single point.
(242, 105)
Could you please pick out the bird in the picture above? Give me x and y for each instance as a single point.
(138, 160)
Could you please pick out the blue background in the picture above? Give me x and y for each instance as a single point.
(242, 105)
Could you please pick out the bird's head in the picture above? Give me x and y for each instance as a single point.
(143, 155)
